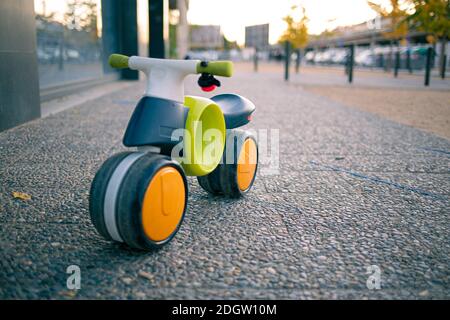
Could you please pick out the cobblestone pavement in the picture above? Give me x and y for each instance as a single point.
(353, 190)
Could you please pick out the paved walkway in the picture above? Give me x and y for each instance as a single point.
(354, 190)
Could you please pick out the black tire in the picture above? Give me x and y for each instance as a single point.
(98, 190)
(129, 199)
(224, 179)
(211, 182)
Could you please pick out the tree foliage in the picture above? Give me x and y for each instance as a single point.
(396, 11)
(228, 45)
(81, 15)
(297, 29)
(431, 16)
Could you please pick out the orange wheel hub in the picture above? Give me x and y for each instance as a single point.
(246, 167)
(164, 204)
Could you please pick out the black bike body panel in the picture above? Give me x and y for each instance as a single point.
(236, 109)
(153, 122)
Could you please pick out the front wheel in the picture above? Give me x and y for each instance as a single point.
(139, 199)
(236, 173)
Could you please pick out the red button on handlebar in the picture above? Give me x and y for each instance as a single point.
(209, 89)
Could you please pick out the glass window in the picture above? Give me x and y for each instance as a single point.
(68, 41)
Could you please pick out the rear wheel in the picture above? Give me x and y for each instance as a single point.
(211, 182)
(139, 199)
(236, 174)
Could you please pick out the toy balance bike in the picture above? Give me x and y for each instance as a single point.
(140, 197)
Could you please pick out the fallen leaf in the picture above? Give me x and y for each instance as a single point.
(21, 195)
(424, 293)
(69, 293)
(146, 275)
(127, 280)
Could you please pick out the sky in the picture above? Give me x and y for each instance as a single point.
(234, 15)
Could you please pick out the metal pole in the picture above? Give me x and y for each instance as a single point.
(159, 24)
(443, 66)
(408, 60)
(347, 64)
(182, 30)
(61, 52)
(397, 63)
(255, 60)
(298, 60)
(385, 62)
(381, 59)
(287, 53)
(428, 66)
(351, 58)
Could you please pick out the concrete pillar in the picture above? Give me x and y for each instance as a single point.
(120, 32)
(19, 78)
(182, 29)
(159, 28)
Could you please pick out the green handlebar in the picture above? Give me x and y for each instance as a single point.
(118, 61)
(217, 68)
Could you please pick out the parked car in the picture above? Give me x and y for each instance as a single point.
(365, 58)
(309, 57)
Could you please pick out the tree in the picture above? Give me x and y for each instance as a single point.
(396, 13)
(297, 29)
(81, 15)
(228, 45)
(80, 29)
(432, 17)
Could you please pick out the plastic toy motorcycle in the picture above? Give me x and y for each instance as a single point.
(140, 197)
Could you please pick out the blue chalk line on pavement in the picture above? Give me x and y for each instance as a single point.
(447, 153)
(381, 181)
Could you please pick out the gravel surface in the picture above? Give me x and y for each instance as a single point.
(353, 190)
(424, 109)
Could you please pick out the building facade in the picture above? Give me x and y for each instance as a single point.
(205, 37)
(257, 36)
